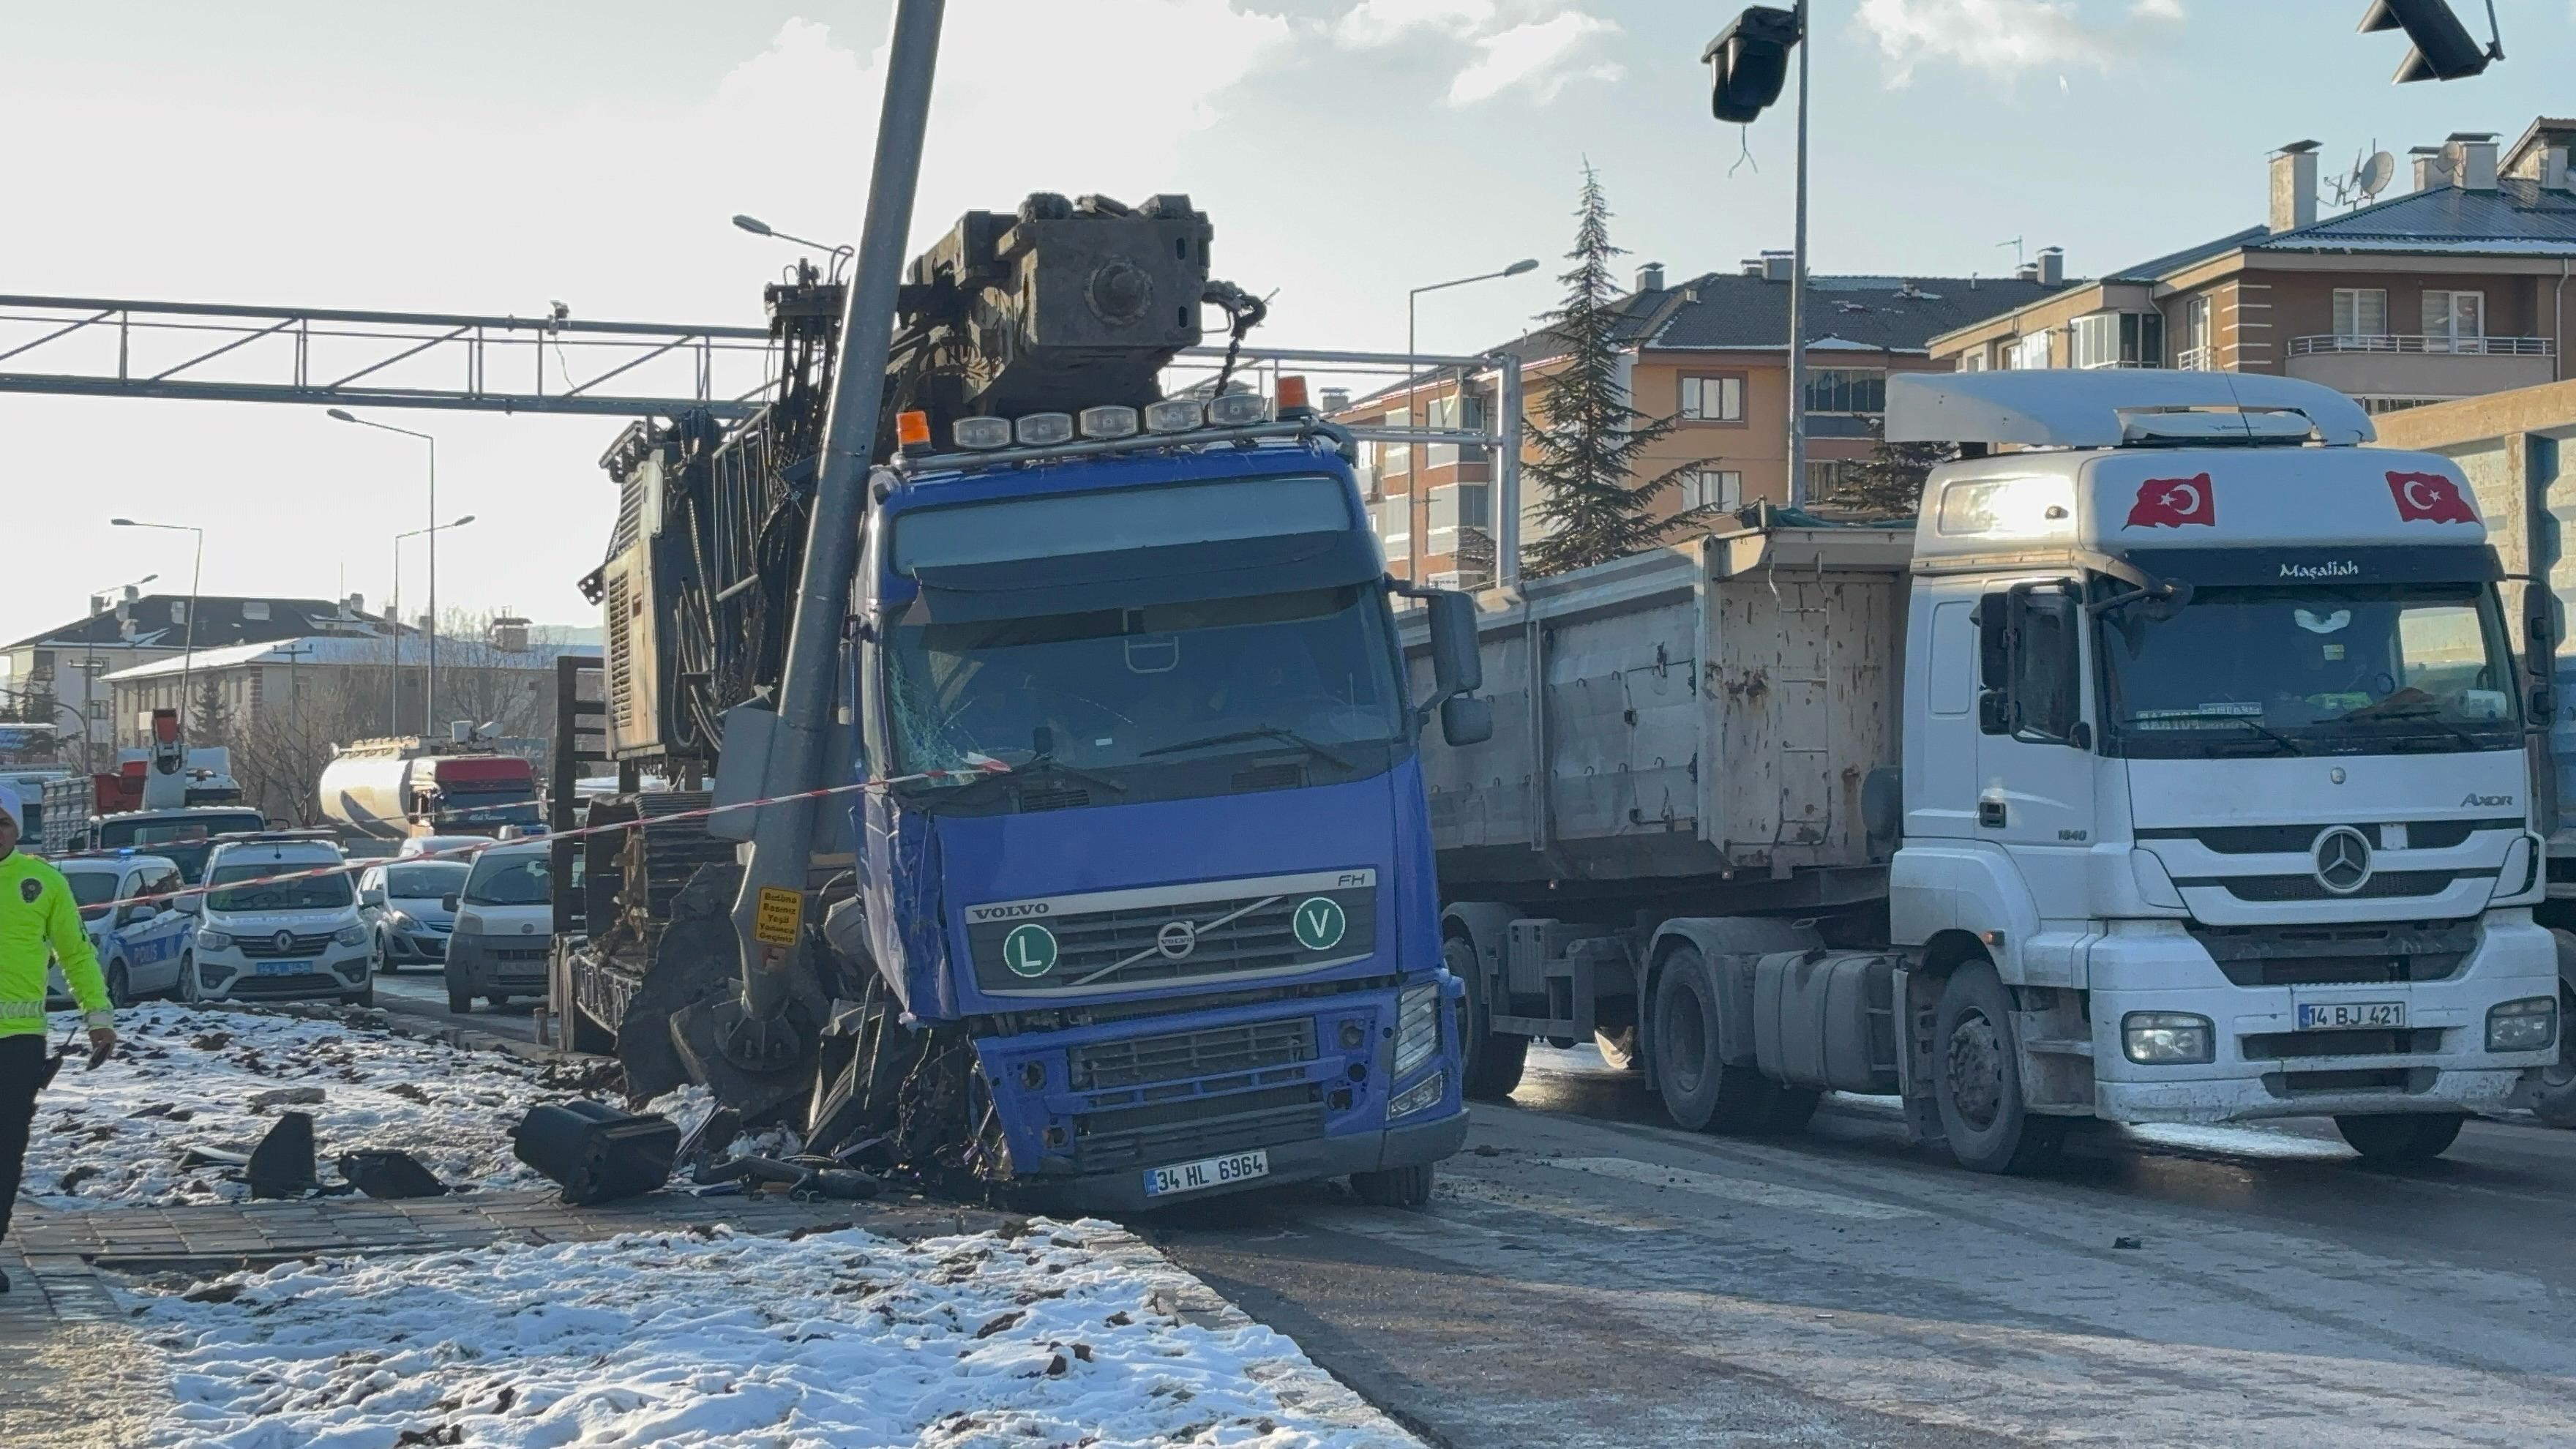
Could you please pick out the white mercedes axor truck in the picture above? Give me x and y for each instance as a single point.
(2174, 767)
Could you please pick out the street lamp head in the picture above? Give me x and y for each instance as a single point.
(754, 225)
(339, 414)
(1525, 264)
(460, 523)
(124, 523)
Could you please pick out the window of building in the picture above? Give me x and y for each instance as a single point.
(2118, 339)
(1713, 399)
(2455, 321)
(1394, 519)
(2200, 337)
(1847, 390)
(1447, 510)
(1395, 458)
(2361, 311)
(2029, 353)
(1718, 488)
(1973, 360)
(1826, 476)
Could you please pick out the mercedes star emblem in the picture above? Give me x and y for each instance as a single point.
(1176, 939)
(2343, 860)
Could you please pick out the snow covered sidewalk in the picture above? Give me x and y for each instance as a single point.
(114, 1137)
(1056, 1334)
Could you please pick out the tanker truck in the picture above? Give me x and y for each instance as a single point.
(2171, 768)
(387, 789)
(1126, 893)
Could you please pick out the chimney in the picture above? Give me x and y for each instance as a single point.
(2052, 266)
(1650, 277)
(2294, 186)
(1752, 266)
(1776, 266)
(2432, 168)
(2026, 272)
(357, 606)
(1336, 400)
(2471, 158)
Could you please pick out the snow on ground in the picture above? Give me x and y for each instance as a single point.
(114, 1137)
(1058, 1334)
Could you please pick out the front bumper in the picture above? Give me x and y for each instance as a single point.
(2264, 1067)
(408, 948)
(1306, 1161)
(1088, 1111)
(230, 976)
(509, 965)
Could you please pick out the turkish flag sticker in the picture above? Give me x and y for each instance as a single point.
(2173, 502)
(2429, 498)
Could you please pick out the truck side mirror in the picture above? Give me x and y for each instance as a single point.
(2544, 705)
(1455, 666)
(1466, 720)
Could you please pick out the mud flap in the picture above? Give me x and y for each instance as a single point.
(1918, 1001)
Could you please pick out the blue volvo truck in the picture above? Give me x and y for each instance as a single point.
(1147, 911)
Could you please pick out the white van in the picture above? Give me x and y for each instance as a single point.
(288, 940)
(505, 920)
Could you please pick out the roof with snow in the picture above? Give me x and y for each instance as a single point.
(161, 622)
(1733, 311)
(331, 650)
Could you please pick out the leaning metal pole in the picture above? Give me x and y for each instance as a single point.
(782, 839)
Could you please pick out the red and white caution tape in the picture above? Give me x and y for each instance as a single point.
(348, 867)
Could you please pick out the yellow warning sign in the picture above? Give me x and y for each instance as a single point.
(782, 913)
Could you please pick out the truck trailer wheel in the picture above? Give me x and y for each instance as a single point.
(1493, 1061)
(1978, 1079)
(1702, 1093)
(1397, 1187)
(2400, 1137)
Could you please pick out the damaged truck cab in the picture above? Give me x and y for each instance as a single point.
(1159, 867)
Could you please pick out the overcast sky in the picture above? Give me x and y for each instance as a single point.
(490, 157)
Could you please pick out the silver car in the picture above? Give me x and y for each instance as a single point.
(405, 906)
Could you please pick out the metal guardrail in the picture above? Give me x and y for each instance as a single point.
(2429, 344)
(105, 347)
(2197, 359)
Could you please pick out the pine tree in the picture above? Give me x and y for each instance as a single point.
(1584, 436)
(1888, 483)
(210, 721)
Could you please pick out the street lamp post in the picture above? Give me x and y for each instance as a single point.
(429, 696)
(1412, 389)
(393, 685)
(196, 576)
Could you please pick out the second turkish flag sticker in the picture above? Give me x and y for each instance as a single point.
(2173, 502)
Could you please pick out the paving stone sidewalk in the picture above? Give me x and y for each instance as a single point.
(73, 1375)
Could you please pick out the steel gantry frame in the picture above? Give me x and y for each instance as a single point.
(106, 347)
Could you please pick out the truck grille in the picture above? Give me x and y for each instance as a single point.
(1237, 1054)
(2336, 955)
(2384, 885)
(1120, 940)
(1182, 1131)
(265, 948)
(2297, 839)
(2300, 1045)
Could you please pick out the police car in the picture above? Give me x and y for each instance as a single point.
(139, 946)
(266, 931)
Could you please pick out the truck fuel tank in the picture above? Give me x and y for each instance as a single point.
(1826, 1019)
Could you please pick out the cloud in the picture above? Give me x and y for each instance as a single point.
(1373, 23)
(1536, 54)
(2008, 37)
(1537, 44)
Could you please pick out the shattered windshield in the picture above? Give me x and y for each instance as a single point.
(1309, 671)
(2312, 669)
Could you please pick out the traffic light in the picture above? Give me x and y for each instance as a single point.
(2443, 49)
(1749, 61)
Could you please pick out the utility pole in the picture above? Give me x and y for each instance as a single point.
(754, 1032)
(1798, 292)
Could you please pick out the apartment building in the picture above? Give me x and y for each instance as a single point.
(1711, 352)
(2453, 287)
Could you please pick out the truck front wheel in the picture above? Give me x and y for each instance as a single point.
(1493, 1062)
(1397, 1187)
(1702, 1092)
(2394, 1137)
(1978, 1079)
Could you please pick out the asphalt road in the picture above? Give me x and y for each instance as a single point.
(421, 993)
(1585, 1277)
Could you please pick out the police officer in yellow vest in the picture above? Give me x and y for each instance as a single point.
(36, 913)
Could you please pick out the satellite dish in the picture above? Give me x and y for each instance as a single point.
(2375, 174)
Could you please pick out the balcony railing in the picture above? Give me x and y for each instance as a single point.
(2419, 342)
(2198, 359)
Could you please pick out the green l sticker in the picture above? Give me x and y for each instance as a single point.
(1319, 923)
(1029, 950)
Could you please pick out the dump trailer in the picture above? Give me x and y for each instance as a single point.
(2170, 768)
(1127, 895)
